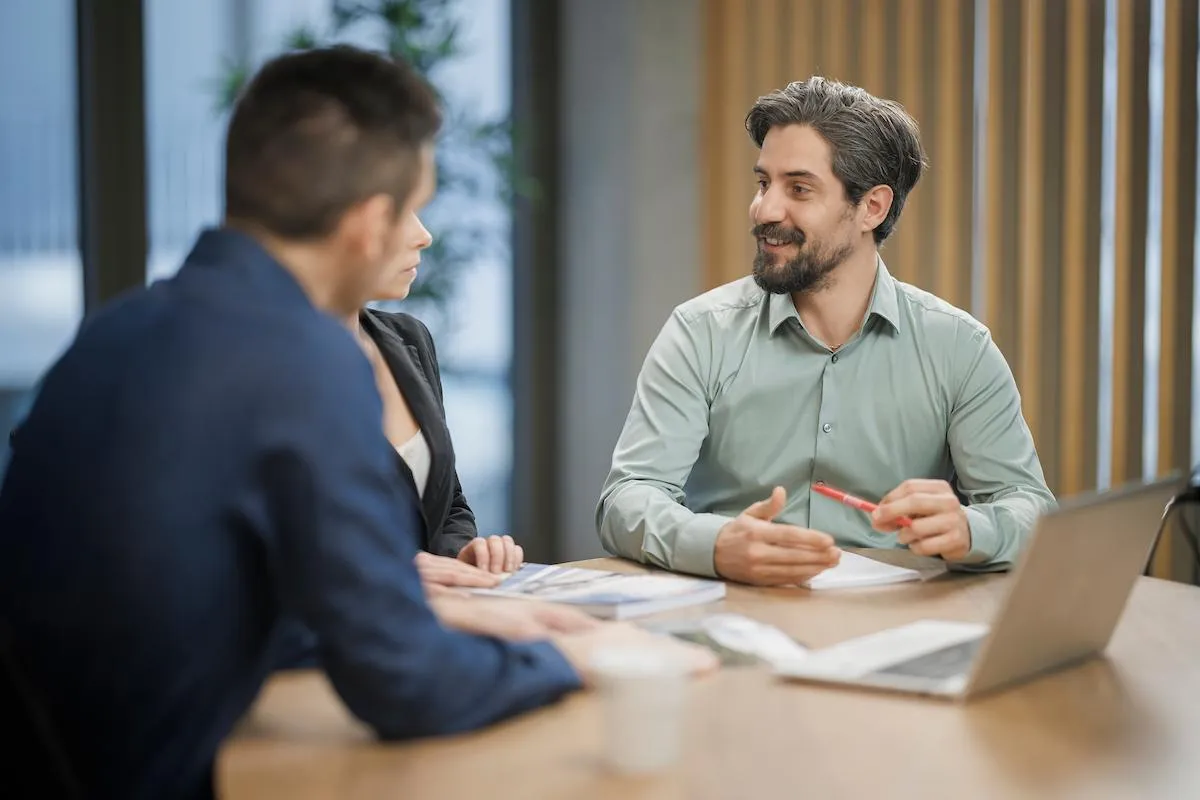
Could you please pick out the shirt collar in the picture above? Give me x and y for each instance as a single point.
(883, 302)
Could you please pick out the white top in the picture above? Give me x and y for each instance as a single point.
(415, 453)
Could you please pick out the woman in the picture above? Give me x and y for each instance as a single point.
(402, 355)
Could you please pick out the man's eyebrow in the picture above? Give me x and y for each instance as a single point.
(795, 173)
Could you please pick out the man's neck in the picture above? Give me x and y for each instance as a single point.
(834, 313)
(308, 263)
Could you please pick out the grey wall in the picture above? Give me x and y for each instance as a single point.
(630, 211)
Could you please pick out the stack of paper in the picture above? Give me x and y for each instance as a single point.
(855, 570)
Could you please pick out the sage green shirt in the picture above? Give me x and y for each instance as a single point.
(735, 397)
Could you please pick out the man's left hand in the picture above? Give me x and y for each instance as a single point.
(939, 521)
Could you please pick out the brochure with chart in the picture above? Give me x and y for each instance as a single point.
(610, 595)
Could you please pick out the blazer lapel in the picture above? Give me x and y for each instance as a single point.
(404, 360)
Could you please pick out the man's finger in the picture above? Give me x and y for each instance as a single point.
(787, 576)
(770, 508)
(948, 545)
(925, 527)
(772, 555)
(449, 572)
(565, 620)
(916, 486)
(779, 535)
(913, 506)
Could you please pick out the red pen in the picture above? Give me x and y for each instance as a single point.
(854, 502)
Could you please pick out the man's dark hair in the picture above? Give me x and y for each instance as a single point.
(317, 131)
(874, 142)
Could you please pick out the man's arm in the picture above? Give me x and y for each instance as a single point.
(994, 457)
(345, 535)
(641, 514)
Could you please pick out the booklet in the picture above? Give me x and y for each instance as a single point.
(609, 595)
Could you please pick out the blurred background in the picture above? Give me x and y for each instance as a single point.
(595, 173)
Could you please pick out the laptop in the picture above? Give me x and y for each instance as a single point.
(1063, 603)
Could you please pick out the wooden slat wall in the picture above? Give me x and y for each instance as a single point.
(1031, 268)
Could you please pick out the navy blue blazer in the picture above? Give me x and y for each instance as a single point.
(411, 357)
(205, 459)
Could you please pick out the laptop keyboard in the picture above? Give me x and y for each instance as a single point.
(945, 663)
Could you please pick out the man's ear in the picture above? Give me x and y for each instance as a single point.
(366, 227)
(877, 203)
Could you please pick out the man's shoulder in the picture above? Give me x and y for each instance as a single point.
(730, 301)
(938, 316)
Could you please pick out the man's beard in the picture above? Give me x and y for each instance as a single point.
(809, 271)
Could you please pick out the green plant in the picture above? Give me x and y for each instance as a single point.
(474, 155)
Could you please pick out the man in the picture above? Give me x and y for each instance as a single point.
(822, 368)
(208, 458)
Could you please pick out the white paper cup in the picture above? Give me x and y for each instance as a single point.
(644, 694)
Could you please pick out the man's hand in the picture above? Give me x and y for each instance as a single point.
(493, 554)
(581, 648)
(940, 526)
(513, 620)
(450, 572)
(753, 549)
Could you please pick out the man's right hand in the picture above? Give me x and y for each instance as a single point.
(751, 548)
(581, 648)
(512, 620)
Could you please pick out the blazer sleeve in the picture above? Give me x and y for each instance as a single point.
(459, 527)
(330, 508)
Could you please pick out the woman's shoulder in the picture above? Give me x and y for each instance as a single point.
(408, 327)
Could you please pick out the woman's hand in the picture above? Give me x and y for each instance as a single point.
(494, 554)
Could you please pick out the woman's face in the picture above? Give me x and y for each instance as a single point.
(398, 277)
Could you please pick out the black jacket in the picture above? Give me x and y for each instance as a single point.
(408, 350)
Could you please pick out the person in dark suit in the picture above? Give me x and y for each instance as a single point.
(206, 459)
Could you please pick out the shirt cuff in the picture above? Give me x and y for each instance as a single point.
(984, 538)
(697, 540)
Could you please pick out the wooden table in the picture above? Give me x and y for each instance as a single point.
(1127, 725)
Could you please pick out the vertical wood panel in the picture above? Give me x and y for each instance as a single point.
(1129, 229)
(951, 144)
(995, 176)
(1178, 212)
(835, 45)
(1032, 212)
(873, 46)
(1073, 473)
(1179, 196)
(764, 48)
(1122, 244)
(726, 144)
(909, 229)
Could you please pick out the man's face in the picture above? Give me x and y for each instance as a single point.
(804, 226)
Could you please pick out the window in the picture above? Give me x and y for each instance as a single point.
(189, 47)
(41, 285)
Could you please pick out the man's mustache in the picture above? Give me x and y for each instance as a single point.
(780, 233)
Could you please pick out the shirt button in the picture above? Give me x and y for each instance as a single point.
(827, 427)
(834, 359)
